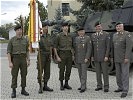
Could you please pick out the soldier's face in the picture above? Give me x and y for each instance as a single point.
(19, 32)
(81, 32)
(120, 27)
(98, 28)
(65, 28)
(45, 29)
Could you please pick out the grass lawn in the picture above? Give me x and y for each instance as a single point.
(4, 41)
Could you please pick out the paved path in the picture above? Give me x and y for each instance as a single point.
(32, 85)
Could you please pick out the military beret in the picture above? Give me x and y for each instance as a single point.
(118, 23)
(80, 28)
(65, 24)
(17, 27)
(97, 23)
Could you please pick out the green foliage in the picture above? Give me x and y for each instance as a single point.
(26, 24)
(58, 19)
(4, 41)
(58, 15)
(92, 6)
(42, 11)
(100, 5)
(4, 29)
(24, 21)
(20, 21)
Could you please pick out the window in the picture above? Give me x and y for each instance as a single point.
(65, 9)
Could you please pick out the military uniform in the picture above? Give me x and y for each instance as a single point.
(122, 46)
(45, 57)
(101, 49)
(18, 50)
(82, 48)
(63, 44)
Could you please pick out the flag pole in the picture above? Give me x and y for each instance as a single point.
(39, 51)
(40, 67)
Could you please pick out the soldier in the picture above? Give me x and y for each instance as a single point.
(63, 44)
(82, 47)
(18, 57)
(122, 46)
(101, 50)
(45, 46)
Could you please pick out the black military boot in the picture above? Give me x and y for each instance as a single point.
(40, 88)
(23, 92)
(61, 85)
(46, 88)
(67, 86)
(13, 95)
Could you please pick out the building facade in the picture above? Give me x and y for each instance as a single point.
(64, 5)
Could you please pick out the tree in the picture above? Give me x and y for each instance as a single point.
(20, 21)
(4, 30)
(24, 20)
(92, 6)
(58, 19)
(100, 5)
(42, 11)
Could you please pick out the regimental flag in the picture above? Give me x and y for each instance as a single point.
(34, 24)
(31, 30)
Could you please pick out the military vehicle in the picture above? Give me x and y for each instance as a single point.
(108, 20)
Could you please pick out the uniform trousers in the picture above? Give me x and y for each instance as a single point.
(82, 70)
(122, 76)
(102, 67)
(65, 65)
(19, 62)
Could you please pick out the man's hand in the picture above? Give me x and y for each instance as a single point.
(106, 59)
(126, 61)
(86, 60)
(58, 59)
(28, 63)
(51, 57)
(73, 58)
(92, 58)
(10, 65)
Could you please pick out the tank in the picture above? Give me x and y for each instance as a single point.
(110, 18)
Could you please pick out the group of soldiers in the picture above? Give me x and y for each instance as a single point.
(82, 49)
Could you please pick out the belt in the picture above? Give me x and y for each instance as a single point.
(64, 51)
(19, 55)
(45, 53)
